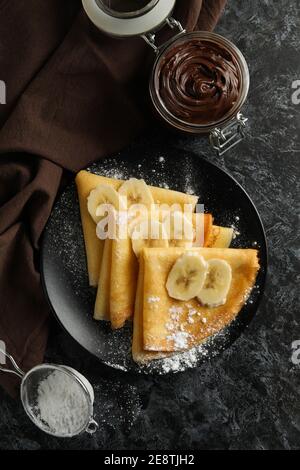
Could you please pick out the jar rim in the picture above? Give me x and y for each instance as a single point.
(126, 14)
(229, 115)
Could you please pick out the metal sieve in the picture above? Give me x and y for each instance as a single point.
(29, 390)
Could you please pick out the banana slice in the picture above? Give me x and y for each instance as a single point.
(221, 237)
(187, 276)
(217, 283)
(179, 229)
(148, 234)
(137, 192)
(102, 194)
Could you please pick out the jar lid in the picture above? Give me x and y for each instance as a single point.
(126, 18)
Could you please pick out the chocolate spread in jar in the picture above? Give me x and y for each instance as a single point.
(198, 81)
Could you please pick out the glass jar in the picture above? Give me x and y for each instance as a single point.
(183, 99)
(225, 124)
(121, 18)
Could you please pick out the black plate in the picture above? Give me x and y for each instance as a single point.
(63, 263)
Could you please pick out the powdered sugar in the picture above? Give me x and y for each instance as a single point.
(192, 311)
(180, 361)
(152, 299)
(235, 233)
(61, 404)
(180, 339)
(175, 312)
(189, 190)
(187, 359)
(170, 326)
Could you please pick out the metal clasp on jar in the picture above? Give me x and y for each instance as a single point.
(224, 139)
(173, 24)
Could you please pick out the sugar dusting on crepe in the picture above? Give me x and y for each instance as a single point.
(180, 339)
(152, 299)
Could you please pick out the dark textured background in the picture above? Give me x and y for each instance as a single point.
(250, 396)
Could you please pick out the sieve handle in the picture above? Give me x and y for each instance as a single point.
(16, 369)
(92, 426)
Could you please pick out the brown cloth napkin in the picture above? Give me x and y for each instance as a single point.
(73, 96)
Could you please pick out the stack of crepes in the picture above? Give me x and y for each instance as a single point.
(178, 289)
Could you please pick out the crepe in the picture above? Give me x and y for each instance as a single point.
(124, 271)
(139, 355)
(205, 223)
(101, 310)
(123, 279)
(173, 325)
(85, 182)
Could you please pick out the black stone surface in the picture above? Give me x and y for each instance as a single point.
(249, 397)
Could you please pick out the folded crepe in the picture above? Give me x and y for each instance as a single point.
(117, 283)
(204, 223)
(140, 355)
(101, 310)
(123, 280)
(85, 182)
(173, 325)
